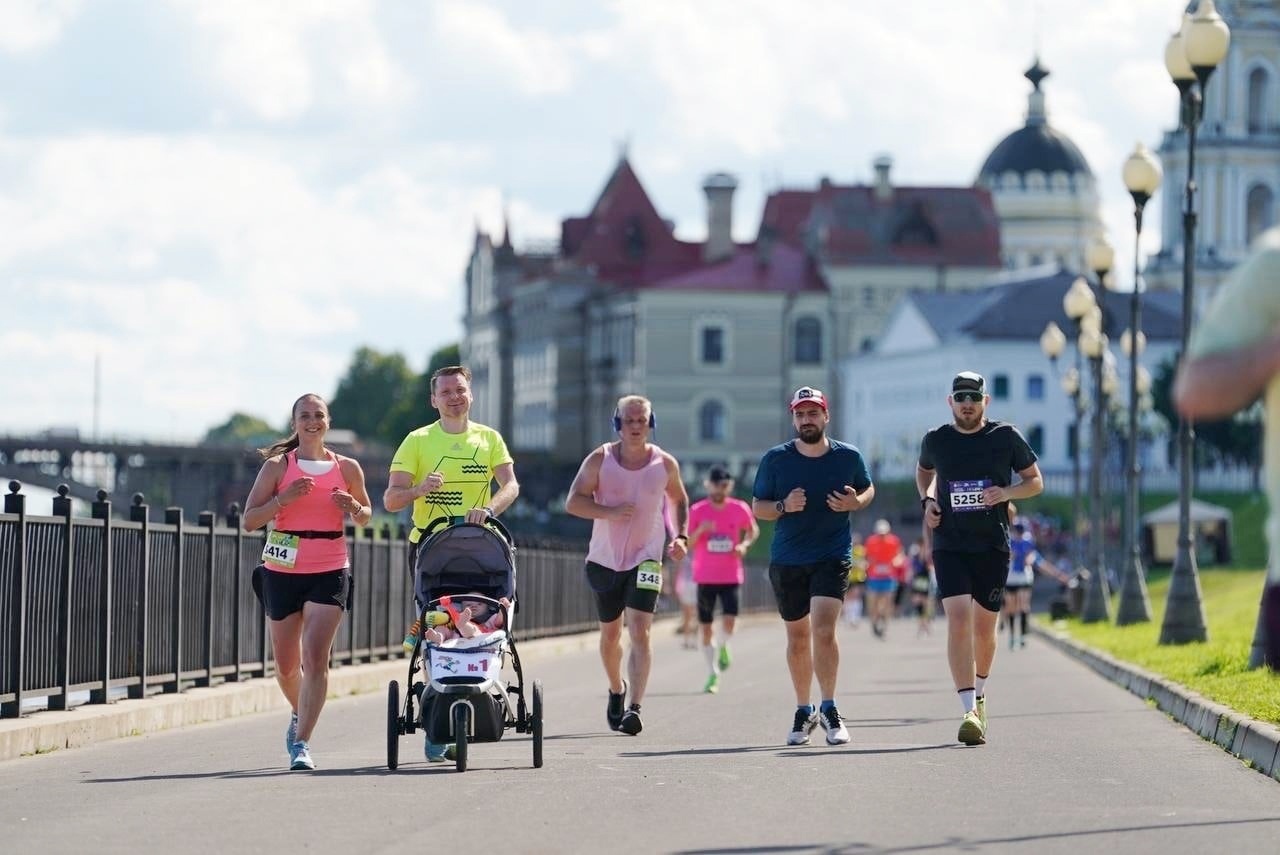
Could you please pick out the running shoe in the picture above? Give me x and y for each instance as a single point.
(617, 707)
(971, 730)
(300, 757)
(291, 735)
(837, 733)
(438, 753)
(631, 724)
(713, 684)
(801, 727)
(1022, 642)
(982, 715)
(726, 659)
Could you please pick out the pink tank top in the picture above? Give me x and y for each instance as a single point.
(621, 546)
(314, 512)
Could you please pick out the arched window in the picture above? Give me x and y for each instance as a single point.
(1260, 211)
(808, 338)
(711, 421)
(1259, 84)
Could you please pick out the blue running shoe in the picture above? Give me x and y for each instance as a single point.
(300, 758)
(291, 735)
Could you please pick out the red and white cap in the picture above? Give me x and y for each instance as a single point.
(808, 395)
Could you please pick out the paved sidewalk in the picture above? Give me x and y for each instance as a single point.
(1073, 764)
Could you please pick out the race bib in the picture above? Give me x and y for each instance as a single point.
(966, 496)
(281, 549)
(720, 543)
(649, 576)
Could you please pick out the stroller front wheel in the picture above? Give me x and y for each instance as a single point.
(393, 725)
(535, 724)
(461, 726)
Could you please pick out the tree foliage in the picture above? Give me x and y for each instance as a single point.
(1234, 441)
(372, 387)
(241, 429)
(414, 409)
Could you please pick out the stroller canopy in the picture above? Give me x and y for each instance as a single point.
(463, 559)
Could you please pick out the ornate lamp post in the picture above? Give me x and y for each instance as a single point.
(1093, 341)
(1190, 57)
(1141, 178)
(1076, 303)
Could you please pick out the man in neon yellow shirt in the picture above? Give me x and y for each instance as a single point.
(1233, 358)
(447, 469)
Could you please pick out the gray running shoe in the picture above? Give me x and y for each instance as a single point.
(801, 727)
(300, 758)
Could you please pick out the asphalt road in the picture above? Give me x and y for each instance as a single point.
(1073, 764)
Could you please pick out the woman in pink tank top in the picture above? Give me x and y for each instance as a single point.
(306, 491)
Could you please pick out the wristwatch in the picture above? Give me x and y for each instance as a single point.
(488, 510)
(780, 507)
(924, 501)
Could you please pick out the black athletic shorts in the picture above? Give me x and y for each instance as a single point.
(795, 584)
(981, 575)
(707, 596)
(282, 594)
(616, 591)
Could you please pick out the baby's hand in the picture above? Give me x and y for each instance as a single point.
(434, 635)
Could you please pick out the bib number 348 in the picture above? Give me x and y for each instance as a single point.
(649, 576)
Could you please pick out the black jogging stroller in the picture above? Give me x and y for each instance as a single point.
(459, 695)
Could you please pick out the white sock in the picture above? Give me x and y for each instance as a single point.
(978, 684)
(709, 654)
(968, 699)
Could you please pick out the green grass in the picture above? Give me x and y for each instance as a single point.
(1216, 668)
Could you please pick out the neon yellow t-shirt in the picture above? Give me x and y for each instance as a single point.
(466, 460)
(1246, 310)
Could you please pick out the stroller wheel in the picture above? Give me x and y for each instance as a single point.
(461, 725)
(535, 724)
(393, 725)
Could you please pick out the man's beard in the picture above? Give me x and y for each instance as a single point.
(810, 434)
(969, 422)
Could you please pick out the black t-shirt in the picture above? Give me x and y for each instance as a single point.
(965, 464)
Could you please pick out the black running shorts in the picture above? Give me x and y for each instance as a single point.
(981, 575)
(616, 591)
(795, 584)
(707, 596)
(282, 594)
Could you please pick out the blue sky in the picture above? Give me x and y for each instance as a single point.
(221, 201)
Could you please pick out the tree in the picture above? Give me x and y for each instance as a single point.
(374, 386)
(241, 429)
(414, 409)
(1235, 441)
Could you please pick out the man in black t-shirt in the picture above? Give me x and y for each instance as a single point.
(964, 477)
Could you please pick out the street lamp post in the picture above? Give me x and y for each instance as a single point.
(1076, 303)
(1190, 57)
(1093, 341)
(1142, 179)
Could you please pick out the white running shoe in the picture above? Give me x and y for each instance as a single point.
(801, 727)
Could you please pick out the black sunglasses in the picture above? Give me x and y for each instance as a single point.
(966, 397)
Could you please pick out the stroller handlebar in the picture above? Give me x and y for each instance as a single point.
(448, 522)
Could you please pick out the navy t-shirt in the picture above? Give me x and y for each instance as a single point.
(817, 533)
(965, 464)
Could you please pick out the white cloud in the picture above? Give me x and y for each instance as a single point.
(27, 26)
(279, 58)
(477, 39)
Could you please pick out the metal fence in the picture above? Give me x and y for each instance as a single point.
(103, 605)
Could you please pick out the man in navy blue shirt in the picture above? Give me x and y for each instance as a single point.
(810, 485)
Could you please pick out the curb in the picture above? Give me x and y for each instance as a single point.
(50, 730)
(1254, 742)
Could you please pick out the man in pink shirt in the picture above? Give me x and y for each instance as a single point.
(721, 530)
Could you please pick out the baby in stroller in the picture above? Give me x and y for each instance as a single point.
(467, 618)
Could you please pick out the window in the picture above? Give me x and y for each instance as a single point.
(712, 345)
(1035, 439)
(1257, 120)
(1260, 212)
(711, 422)
(808, 341)
(1035, 387)
(1000, 387)
(1072, 449)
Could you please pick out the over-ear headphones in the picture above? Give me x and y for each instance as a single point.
(617, 421)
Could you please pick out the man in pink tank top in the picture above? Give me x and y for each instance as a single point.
(621, 487)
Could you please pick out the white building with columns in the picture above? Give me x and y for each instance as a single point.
(1237, 155)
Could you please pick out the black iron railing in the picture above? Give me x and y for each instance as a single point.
(106, 605)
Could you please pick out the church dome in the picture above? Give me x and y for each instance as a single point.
(1035, 146)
